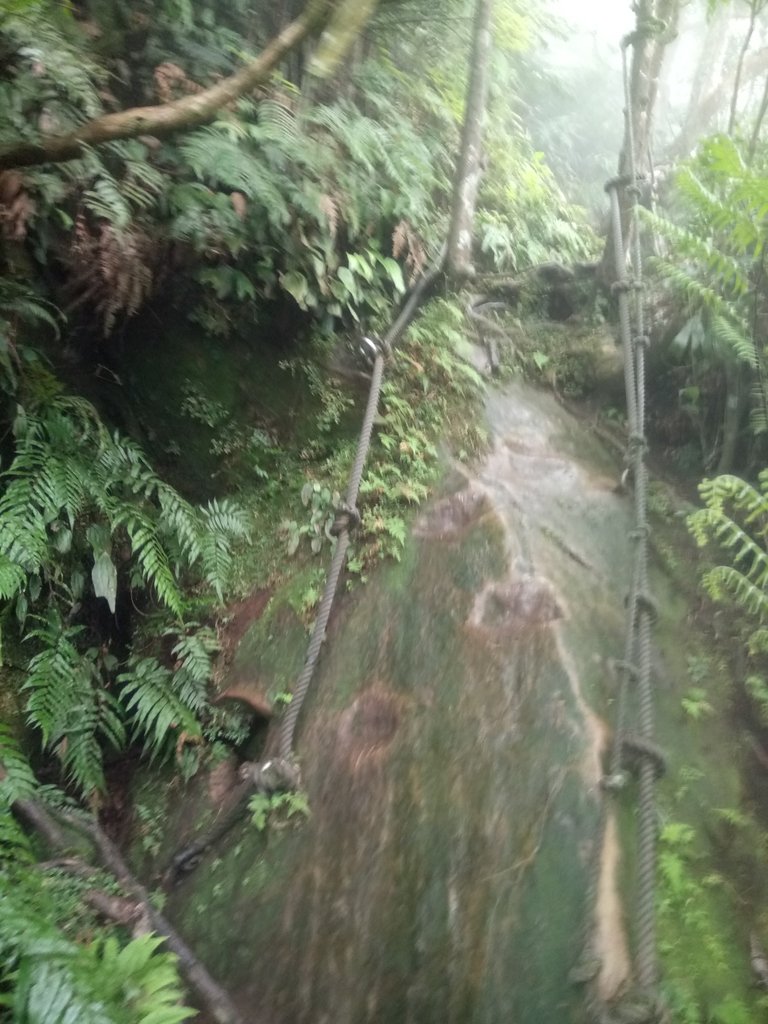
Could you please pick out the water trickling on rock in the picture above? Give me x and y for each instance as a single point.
(451, 754)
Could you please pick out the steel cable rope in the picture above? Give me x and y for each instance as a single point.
(636, 665)
(641, 617)
(280, 772)
(347, 515)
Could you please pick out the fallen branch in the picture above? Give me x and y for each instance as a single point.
(164, 119)
(215, 999)
(52, 824)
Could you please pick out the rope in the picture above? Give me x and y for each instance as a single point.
(641, 616)
(342, 524)
(347, 514)
(281, 773)
(636, 667)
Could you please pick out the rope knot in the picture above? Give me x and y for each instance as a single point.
(272, 776)
(641, 341)
(347, 518)
(636, 445)
(630, 670)
(624, 285)
(641, 532)
(620, 181)
(372, 348)
(646, 605)
(615, 782)
(636, 749)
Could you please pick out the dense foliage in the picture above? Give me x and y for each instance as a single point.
(288, 225)
(303, 209)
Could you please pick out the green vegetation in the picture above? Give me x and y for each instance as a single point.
(261, 807)
(231, 260)
(298, 212)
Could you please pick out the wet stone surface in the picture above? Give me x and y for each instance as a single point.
(451, 754)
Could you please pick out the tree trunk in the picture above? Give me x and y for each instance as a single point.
(647, 57)
(709, 61)
(754, 7)
(469, 167)
(754, 65)
(737, 394)
(758, 122)
(187, 112)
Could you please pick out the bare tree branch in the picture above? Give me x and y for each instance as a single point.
(469, 167)
(52, 823)
(755, 64)
(164, 119)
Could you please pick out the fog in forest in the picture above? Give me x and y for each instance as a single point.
(575, 106)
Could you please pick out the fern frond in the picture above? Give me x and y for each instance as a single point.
(690, 245)
(15, 848)
(724, 581)
(151, 556)
(735, 336)
(69, 704)
(13, 577)
(18, 782)
(149, 698)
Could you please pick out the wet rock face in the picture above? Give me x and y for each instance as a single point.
(450, 517)
(504, 609)
(369, 725)
(451, 761)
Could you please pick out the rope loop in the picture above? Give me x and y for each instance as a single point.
(638, 748)
(617, 182)
(636, 445)
(275, 775)
(646, 29)
(647, 606)
(641, 341)
(624, 285)
(347, 518)
(615, 782)
(371, 348)
(628, 668)
(640, 532)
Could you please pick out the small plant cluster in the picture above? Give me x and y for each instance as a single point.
(56, 962)
(734, 522)
(698, 956)
(84, 519)
(263, 808)
(430, 394)
(713, 269)
(230, 440)
(320, 504)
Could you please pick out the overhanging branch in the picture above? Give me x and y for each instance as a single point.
(167, 118)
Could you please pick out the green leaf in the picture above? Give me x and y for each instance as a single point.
(297, 286)
(347, 278)
(100, 538)
(104, 576)
(395, 272)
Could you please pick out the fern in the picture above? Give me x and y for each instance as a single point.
(222, 521)
(735, 518)
(74, 489)
(148, 697)
(18, 781)
(70, 705)
(56, 980)
(191, 678)
(714, 247)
